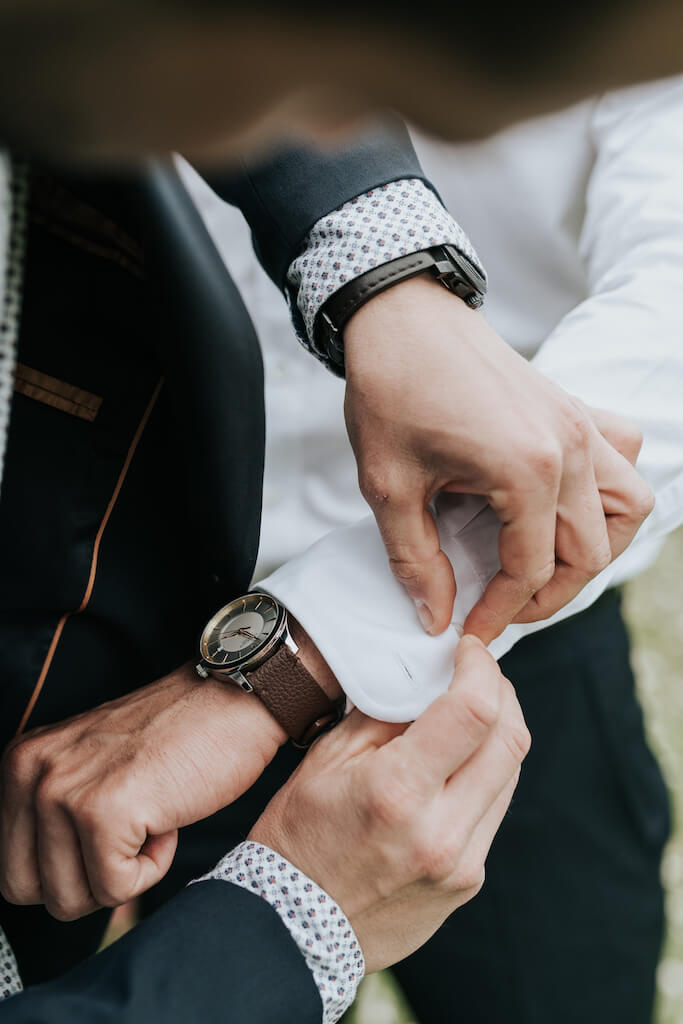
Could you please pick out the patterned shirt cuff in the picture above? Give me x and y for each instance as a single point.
(10, 982)
(316, 923)
(380, 225)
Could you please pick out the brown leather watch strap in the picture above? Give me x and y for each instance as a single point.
(293, 697)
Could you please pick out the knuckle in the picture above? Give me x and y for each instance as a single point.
(393, 798)
(20, 763)
(631, 437)
(479, 710)
(380, 487)
(109, 892)
(539, 578)
(644, 503)
(65, 910)
(19, 895)
(436, 861)
(405, 570)
(516, 737)
(544, 460)
(576, 427)
(49, 793)
(91, 809)
(471, 880)
(597, 560)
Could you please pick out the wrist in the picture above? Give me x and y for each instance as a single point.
(232, 709)
(230, 702)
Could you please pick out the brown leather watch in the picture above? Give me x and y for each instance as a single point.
(248, 643)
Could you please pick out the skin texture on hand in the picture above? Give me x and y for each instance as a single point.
(436, 400)
(90, 808)
(396, 821)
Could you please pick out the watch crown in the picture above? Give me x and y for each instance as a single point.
(201, 671)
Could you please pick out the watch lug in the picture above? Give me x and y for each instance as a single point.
(242, 681)
(289, 642)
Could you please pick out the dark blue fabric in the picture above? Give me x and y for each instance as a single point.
(215, 953)
(284, 197)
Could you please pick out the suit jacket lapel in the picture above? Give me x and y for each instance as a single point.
(214, 373)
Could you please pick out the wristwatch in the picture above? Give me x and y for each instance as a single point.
(247, 643)
(444, 263)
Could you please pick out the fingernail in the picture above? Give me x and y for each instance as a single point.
(425, 616)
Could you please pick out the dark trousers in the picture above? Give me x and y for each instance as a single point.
(568, 926)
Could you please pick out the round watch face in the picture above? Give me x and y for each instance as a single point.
(242, 631)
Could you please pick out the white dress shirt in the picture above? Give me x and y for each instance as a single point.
(578, 218)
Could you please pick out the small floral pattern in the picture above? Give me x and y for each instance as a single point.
(10, 982)
(13, 200)
(380, 225)
(316, 923)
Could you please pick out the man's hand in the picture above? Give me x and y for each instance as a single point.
(90, 808)
(435, 400)
(396, 822)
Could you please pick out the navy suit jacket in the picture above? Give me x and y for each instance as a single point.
(125, 289)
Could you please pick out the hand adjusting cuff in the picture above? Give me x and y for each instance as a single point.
(443, 262)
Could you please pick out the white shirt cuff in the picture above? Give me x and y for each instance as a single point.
(343, 593)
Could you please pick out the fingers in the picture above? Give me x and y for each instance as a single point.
(471, 866)
(623, 435)
(625, 502)
(456, 725)
(474, 788)
(582, 544)
(59, 849)
(527, 556)
(412, 541)
(117, 875)
(599, 505)
(66, 889)
(19, 869)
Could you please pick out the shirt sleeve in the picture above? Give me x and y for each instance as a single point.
(316, 923)
(10, 982)
(376, 227)
(621, 349)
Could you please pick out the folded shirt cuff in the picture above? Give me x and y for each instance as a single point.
(374, 228)
(10, 982)
(316, 923)
(343, 593)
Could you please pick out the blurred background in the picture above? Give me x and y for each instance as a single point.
(654, 609)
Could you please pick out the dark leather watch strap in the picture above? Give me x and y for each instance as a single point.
(293, 697)
(443, 262)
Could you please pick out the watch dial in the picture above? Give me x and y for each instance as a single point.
(241, 630)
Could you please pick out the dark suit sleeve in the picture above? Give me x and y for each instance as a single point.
(231, 961)
(284, 197)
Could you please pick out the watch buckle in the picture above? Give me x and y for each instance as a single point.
(321, 725)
